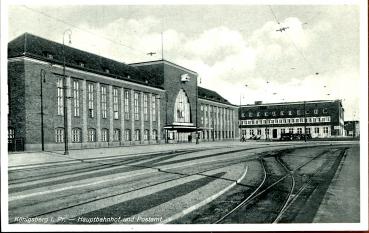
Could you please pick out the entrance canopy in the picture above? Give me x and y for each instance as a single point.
(181, 128)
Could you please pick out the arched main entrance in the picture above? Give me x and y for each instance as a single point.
(182, 128)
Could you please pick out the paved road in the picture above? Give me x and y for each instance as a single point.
(191, 185)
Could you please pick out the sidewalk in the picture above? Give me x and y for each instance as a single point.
(38, 158)
(341, 203)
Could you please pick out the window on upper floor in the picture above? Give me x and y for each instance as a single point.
(325, 110)
(281, 113)
(315, 111)
(289, 112)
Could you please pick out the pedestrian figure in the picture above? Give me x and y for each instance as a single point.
(189, 138)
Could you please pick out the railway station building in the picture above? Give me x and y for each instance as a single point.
(107, 103)
(320, 119)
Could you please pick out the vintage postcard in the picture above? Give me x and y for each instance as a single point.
(172, 116)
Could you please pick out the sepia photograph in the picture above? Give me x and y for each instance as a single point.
(212, 116)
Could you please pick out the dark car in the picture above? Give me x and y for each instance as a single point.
(287, 137)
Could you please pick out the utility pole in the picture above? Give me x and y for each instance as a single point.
(305, 120)
(66, 149)
(42, 79)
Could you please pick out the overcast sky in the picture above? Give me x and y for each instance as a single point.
(235, 48)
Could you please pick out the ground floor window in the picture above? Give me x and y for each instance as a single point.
(116, 135)
(154, 135)
(137, 135)
(59, 135)
(251, 132)
(146, 134)
(308, 131)
(104, 135)
(127, 135)
(259, 132)
(76, 135)
(283, 131)
(11, 135)
(299, 130)
(325, 130)
(91, 133)
(290, 130)
(316, 130)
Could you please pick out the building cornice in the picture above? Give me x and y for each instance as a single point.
(218, 103)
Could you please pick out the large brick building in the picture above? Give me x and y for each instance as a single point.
(108, 103)
(322, 118)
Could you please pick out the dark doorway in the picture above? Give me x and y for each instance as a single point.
(274, 133)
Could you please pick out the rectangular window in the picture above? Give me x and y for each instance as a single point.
(325, 130)
(115, 103)
(325, 110)
(271, 121)
(59, 135)
(297, 120)
(323, 119)
(127, 135)
(137, 135)
(76, 97)
(281, 113)
(76, 135)
(290, 113)
(91, 133)
(146, 107)
(283, 131)
(328, 119)
(90, 92)
(146, 135)
(104, 135)
(60, 96)
(315, 111)
(251, 132)
(116, 135)
(308, 131)
(103, 102)
(153, 106)
(135, 104)
(290, 130)
(298, 112)
(126, 104)
(259, 131)
(299, 130)
(316, 130)
(292, 120)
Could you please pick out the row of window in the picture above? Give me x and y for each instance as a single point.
(286, 121)
(103, 101)
(283, 113)
(91, 135)
(209, 113)
(289, 130)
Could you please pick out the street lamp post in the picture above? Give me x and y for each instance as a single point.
(197, 125)
(305, 121)
(66, 150)
(42, 79)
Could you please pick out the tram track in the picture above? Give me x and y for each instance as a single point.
(260, 190)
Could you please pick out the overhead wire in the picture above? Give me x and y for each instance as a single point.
(85, 30)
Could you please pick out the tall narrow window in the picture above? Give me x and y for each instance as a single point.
(154, 134)
(126, 104)
(76, 97)
(90, 91)
(146, 134)
(104, 135)
(59, 135)
(127, 135)
(11, 135)
(60, 96)
(135, 103)
(103, 102)
(153, 105)
(91, 133)
(115, 103)
(145, 107)
(76, 135)
(116, 135)
(137, 135)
